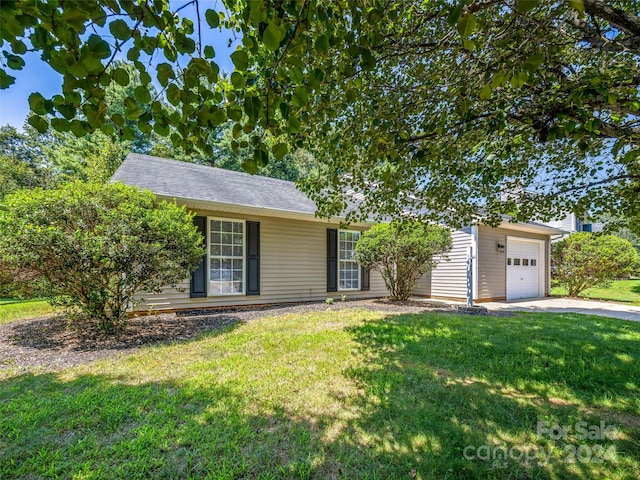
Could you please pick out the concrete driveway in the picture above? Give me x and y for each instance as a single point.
(569, 305)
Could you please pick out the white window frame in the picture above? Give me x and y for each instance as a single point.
(348, 261)
(244, 256)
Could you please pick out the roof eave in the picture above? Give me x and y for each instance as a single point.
(208, 205)
(532, 228)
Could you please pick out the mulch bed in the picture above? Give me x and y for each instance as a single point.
(51, 343)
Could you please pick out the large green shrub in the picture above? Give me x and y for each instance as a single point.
(97, 246)
(585, 260)
(402, 252)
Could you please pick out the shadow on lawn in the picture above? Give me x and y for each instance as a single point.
(437, 388)
(98, 426)
(430, 386)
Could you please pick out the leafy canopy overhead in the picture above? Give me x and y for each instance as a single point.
(441, 107)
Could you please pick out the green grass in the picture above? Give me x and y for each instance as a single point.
(12, 309)
(625, 291)
(347, 394)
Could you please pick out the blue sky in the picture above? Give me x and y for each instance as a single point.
(37, 76)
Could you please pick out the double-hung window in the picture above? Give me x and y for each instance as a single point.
(226, 256)
(348, 268)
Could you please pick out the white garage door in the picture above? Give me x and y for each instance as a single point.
(523, 269)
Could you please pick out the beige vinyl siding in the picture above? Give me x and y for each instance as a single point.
(423, 285)
(492, 267)
(293, 268)
(449, 278)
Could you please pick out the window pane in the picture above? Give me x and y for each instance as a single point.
(533, 262)
(525, 262)
(516, 261)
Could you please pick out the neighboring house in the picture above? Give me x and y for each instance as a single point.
(265, 245)
(571, 223)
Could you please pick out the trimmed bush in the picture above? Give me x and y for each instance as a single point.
(585, 260)
(402, 252)
(97, 246)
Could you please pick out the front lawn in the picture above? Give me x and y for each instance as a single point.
(625, 291)
(12, 309)
(342, 394)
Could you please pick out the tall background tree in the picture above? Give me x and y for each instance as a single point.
(520, 106)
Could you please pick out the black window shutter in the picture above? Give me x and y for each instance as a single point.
(332, 260)
(198, 286)
(253, 258)
(364, 278)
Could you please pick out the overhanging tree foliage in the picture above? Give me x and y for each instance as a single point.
(402, 252)
(97, 246)
(584, 260)
(438, 107)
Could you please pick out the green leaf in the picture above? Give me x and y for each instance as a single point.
(98, 46)
(467, 24)
(77, 128)
(14, 62)
(454, 14)
(279, 150)
(60, 124)
(272, 36)
(236, 131)
(39, 123)
(294, 124)
(165, 72)
(161, 129)
(18, 47)
(105, 128)
(131, 109)
(322, 44)
(533, 62)
(66, 110)
(209, 52)
(300, 96)
(523, 6)
(234, 112)
(121, 77)
(133, 54)
(237, 80)
(250, 166)
(173, 94)
(252, 107)
(6, 80)
(240, 60)
(117, 119)
(142, 94)
(37, 103)
(212, 17)
(261, 157)
(485, 93)
(120, 29)
(577, 5)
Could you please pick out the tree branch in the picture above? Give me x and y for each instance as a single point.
(622, 20)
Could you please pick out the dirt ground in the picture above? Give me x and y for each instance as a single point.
(51, 343)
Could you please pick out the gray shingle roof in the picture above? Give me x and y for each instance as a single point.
(172, 178)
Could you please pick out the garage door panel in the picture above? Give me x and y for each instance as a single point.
(523, 269)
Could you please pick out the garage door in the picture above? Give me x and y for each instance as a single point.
(523, 269)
